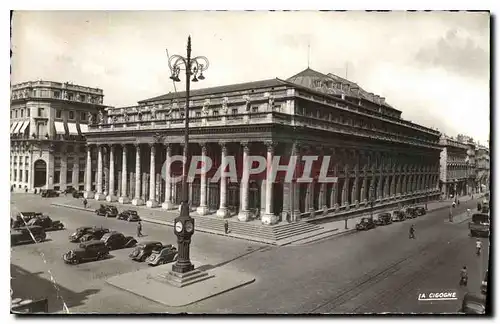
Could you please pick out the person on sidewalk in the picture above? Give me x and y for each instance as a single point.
(85, 203)
(139, 229)
(412, 232)
(226, 227)
(463, 276)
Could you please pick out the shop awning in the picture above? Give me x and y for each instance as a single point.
(18, 127)
(84, 128)
(23, 128)
(13, 126)
(72, 129)
(59, 128)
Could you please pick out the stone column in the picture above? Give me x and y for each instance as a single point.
(63, 180)
(152, 178)
(123, 196)
(23, 174)
(269, 218)
(295, 186)
(244, 214)
(167, 204)
(131, 183)
(323, 192)
(76, 171)
(364, 185)
(381, 192)
(263, 186)
(344, 196)
(309, 203)
(203, 208)
(334, 193)
(137, 201)
(99, 194)
(223, 212)
(111, 193)
(89, 194)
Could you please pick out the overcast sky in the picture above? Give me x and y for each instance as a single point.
(434, 67)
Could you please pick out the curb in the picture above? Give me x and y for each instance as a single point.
(308, 237)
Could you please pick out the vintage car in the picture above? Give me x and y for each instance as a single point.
(165, 255)
(80, 231)
(116, 240)
(397, 216)
(129, 215)
(46, 223)
(480, 224)
(23, 218)
(88, 251)
(27, 234)
(410, 212)
(484, 284)
(96, 233)
(107, 210)
(144, 250)
(77, 194)
(47, 193)
(366, 223)
(68, 190)
(473, 304)
(383, 219)
(420, 210)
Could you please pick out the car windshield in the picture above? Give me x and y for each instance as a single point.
(106, 236)
(132, 212)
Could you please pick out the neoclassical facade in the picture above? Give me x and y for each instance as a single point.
(48, 124)
(376, 155)
(454, 167)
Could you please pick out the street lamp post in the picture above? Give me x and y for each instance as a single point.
(184, 224)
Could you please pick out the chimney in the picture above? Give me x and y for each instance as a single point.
(382, 100)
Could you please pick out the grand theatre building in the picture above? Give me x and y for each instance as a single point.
(375, 155)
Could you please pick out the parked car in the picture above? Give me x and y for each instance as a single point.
(473, 304)
(28, 234)
(69, 190)
(480, 224)
(129, 215)
(47, 193)
(107, 210)
(77, 194)
(484, 284)
(144, 250)
(46, 223)
(116, 240)
(410, 212)
(366, 223)
(420, 211)
(397, 216)
(88, 251)
(22, 218)
(96, 233)
(383, 219)
(80, 231)
(166, 255)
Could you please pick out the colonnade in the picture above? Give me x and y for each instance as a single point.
(363, 176)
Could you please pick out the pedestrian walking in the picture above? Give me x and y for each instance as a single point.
(85, 203)
(463, 277)
(139, 229)
(226, 227)
(412, 232)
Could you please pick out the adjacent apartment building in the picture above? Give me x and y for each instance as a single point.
(48, 121)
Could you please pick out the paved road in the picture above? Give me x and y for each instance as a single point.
(376, 271)
(83, 287)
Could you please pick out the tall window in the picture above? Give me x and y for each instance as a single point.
(28, 112)
(255, 109)
(83, 115)
(58, 113)
(234, 111)
(16, 113)
(21, 112)
(57, 94)
(71, 114)
(40, 112)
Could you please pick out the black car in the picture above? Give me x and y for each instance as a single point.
(129, 215)
(144, 250)
(77, 194)
(116, 240)
(383, 219)
(69, 190)
(366, 223)
(80, 231)
(47, 193)
(473, 304)
(88, 251)
(23, 218)
(29, 234)
(46, 223)
(420, 211)
(96, 233)
(107, 210)
(410, 212)
(398, 216)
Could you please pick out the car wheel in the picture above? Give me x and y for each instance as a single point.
(38, 239)
(75, 261)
